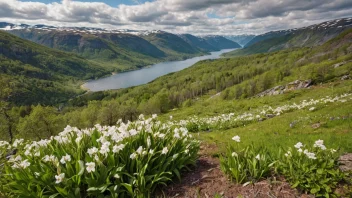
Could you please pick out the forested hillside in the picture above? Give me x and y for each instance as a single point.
(313, 35)
(35, 74)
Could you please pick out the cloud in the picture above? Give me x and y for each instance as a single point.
(180, 16)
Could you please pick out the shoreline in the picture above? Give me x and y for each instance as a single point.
(83, 87)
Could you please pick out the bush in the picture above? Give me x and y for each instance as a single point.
(312, 169)
(248, 165)
(127, 160)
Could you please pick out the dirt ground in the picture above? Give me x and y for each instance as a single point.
(207, 180)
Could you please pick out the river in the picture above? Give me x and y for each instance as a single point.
(147, 74)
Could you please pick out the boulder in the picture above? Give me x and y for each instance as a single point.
(345, 162)
(297, 84)
(346, 77)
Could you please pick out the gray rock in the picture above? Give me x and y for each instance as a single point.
(346, 77)
(345, 162)
(270, 115)
(339, 64)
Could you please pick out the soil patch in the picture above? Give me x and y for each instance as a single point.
(207, 180)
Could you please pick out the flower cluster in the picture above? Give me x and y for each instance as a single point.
(118, 155)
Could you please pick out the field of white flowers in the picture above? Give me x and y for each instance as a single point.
(127, 160)
(231, 120)
(132, 159)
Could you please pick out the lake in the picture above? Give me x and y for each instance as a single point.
(147, 74)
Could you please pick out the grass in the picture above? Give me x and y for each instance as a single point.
(335, 120)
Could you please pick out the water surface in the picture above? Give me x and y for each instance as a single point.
(147, 74)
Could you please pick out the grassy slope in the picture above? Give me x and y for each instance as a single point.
(276, 132)
(38, 74)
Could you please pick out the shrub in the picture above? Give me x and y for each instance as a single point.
(248, 165)
(126, 160)
(311, 168)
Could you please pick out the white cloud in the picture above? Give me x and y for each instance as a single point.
(180, 16)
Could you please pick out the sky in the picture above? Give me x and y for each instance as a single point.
(200, 17)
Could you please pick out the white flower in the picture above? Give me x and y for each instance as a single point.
(288, 154)
(236, 138)
(59, 178)
(141, 117)
(333, 150)
(118, 148)
(164, 151)
(78, 139)
(174, 156)
(36, 174)
(186, 151)
(161, 135)
(310, 155)
(24, 164)
(257, 157)
(234, 154)
(300, 150)
(92, 151)
(27, 152)
(171, 117)
(105, 148)
(66, 158)
(312, 109)
(320, 144)
(133, 156)
(299, 145)
(139, 150)
(90, 167)
(151, 151)
(148, 142)
(154, 116)
(177, 135)
(117, 176)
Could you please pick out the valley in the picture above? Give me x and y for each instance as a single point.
(266, 115)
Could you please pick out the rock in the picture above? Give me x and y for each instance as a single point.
(297, 84)
(316, 125)
(346, 77)
(270, 115)
(345, 162)
(261, 119)
(339, 64)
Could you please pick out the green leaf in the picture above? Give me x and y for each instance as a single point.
(128, 187)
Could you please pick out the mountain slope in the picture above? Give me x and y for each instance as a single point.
(171, 44)
(198, 42)
(38, 74)
(241, 39)
(221, 42)
(303, 37)
(118, 51)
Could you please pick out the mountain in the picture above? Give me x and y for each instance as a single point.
(240, 39)
(221, 42)
(171, 44)
(120, 50)
(198, 42)
(38, 74)
(300, 37)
